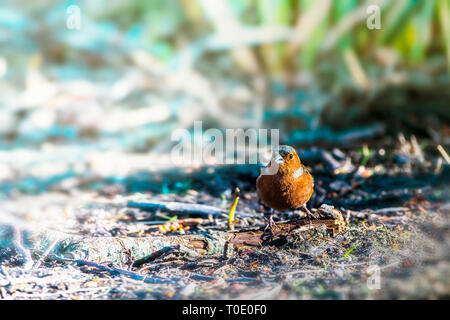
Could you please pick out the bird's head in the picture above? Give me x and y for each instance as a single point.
(287, 159)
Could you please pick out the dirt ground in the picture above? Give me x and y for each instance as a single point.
(93, 207)
(79, 238)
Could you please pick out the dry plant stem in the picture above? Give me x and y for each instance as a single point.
(18, 243)
(46, 253)
(225, 250)
(444, 154)
(231, 214)
(387, 233)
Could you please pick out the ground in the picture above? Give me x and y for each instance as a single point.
(79, 237)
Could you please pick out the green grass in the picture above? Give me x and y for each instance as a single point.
(348, 253)
(415, 29)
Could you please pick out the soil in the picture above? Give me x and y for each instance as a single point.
(87, 238)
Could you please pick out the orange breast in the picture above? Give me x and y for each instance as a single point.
(283, 192)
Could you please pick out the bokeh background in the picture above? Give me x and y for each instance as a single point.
(74, 100)
(87, 115)
(136, 70)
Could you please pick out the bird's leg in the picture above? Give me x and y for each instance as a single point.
(309, 214)
(308, 217)
(271, 223)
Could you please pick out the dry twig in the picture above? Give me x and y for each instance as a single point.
(184, 208)
(26, 254)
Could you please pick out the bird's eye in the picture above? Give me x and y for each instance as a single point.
(291, 156)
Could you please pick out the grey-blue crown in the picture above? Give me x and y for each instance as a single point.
(284, 149)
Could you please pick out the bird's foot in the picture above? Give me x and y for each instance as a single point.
(271, 225)
(309, 214)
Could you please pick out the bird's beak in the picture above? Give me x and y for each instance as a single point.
(278, 159)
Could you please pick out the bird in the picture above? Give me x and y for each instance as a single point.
(289, 187)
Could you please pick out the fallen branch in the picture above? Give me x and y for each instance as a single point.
(147, 279)
(391, 209)
(381, 215)
(328, 216)
(155, 255)
(116, 271)
(184, 208)
(212, 242)
(203, 277)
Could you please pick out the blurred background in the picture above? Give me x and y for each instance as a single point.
(92, 91)
(84, 83)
